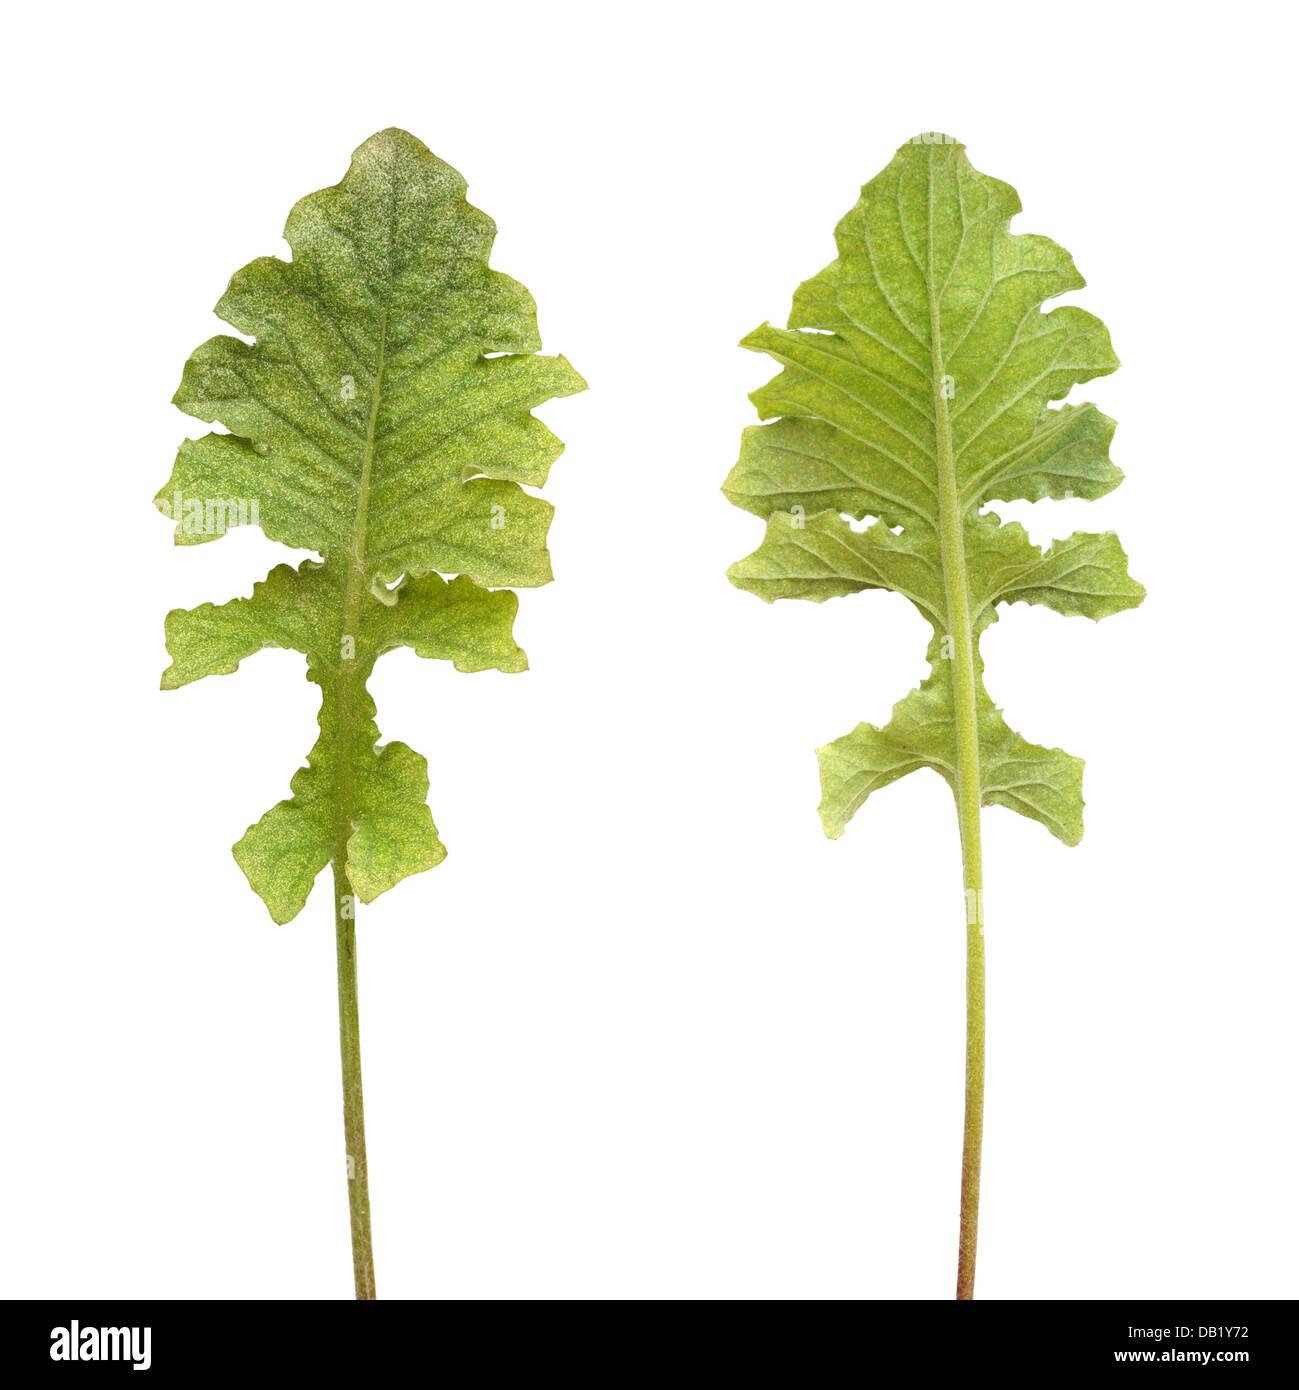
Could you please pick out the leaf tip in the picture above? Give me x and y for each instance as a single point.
(752, 341)
(577, 381)
(741, 582)
(932, 137)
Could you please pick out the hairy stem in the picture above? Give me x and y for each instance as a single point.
(349, 1037)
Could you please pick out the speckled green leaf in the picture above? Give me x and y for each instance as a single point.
(382, 419)
(917, 376)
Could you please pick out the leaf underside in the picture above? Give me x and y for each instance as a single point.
(382, 419)
(923, 347)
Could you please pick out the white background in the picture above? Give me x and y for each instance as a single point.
(647, 1033)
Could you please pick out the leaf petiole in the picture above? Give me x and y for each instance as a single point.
(349, 1041)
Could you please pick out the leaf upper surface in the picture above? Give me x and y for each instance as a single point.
(381, 418)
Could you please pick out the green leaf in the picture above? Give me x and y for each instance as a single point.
(918, 372)
(382, 419)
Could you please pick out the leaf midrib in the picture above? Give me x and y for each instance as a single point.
(951, 544)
